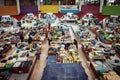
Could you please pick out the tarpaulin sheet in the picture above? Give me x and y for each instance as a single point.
(68, 71)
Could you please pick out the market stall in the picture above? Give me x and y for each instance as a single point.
(88, 19)
(37, 34)
(49, 18)
(8, 23)
(69, 17)
(20, 63)
(102, 57)
(29, 20)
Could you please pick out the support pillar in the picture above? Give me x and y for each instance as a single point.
(101, 5)
(38, 4)
(18, 6)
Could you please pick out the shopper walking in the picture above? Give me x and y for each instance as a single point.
(75, 43)
(38, 52)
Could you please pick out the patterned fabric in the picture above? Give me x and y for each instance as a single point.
(69, 71)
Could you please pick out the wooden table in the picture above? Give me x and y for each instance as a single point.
(24, 76)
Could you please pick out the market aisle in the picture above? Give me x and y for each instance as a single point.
(82, 57)
(85, 64)
(40, 64)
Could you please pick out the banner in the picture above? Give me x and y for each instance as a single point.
(69, 7)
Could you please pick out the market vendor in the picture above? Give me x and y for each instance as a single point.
(38, 52)
(30, 39)
(75, 43)
(16, 40)
(21, 34)
(49, 38)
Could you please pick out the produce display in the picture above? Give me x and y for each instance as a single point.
(63, 47)
(69, 17)
(29, 20)
(49, 18)
(89, 34)
(4, 48)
